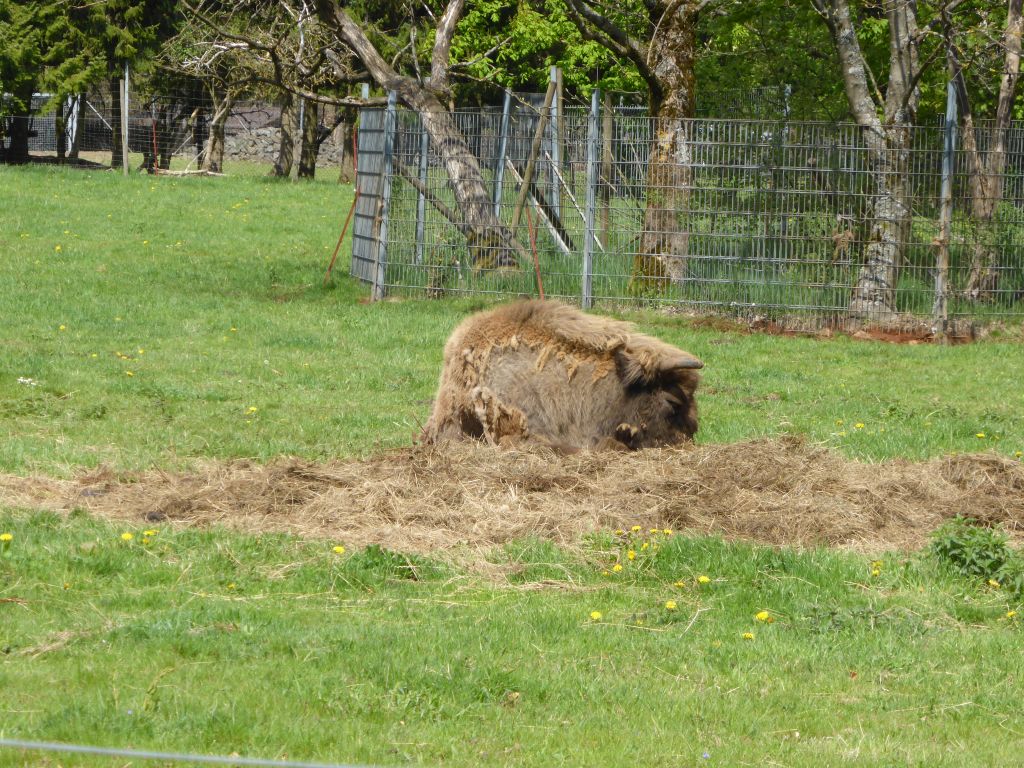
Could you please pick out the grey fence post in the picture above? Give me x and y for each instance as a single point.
(940, 310)
(125, 87)
(589, 214)
(499, 172)
(556, 142)
(421, 203)
(381, 262)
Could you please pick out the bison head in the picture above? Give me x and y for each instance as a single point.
(658, 406)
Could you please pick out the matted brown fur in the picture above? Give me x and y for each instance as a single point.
(438, 498)
(547, 373)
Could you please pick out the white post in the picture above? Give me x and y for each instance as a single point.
(940, 309)
(590, 209)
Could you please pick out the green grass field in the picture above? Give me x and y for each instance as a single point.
(155, 323)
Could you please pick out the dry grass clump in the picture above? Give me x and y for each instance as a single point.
(428, 498)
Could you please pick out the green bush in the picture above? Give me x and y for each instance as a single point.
(979, 552)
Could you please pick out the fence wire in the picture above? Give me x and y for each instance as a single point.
(796, 222)
(181, 131)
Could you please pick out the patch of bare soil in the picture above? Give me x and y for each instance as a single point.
(433, 498)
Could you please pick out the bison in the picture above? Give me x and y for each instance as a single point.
(545, 373)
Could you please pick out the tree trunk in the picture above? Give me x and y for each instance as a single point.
(888, 226)
(17, 151)
(664, 243)
(289, 127)
(222, 103)
(986, 175)
(310, 144)
(489, 241)
(116, 148)
(346, 160)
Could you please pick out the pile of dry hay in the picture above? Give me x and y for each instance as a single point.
(425, 499)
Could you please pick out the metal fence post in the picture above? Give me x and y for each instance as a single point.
(499, 171)
(124, 120)
(421, 202)
(556, 141)
(940, 310)
(589, 214)
(381, 262)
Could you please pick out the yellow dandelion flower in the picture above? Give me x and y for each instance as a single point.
(993, 583)
(617, 567)
(1018, 454)
(631, 555)
(62, 328)
(653, 530)
(876, 572)
(6, 536)
(667, 531)
(1011, 614)
(338, 550)
(606, 573)
(764, 616)
(151, 532)
(839, 422)
(679, 584)
(57, 248)
(670, 605)
(859, 425)
(645, 545)
(595, 615)
(703, 579)
(748, 635)
(636, 529)
(618, 531)
(145, 242)
(67, 585)
(128, 373)
(980, 435)
(145, 540)
(233, 329)
(231, 585)
(252, 409)
(126, 536)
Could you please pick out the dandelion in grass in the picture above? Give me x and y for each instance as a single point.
(67, 585)
(667, 531)
(1011, 614)
(617, 568)
(631, 555)
(231, 585)
(596, 615)
(618, 531)
(764, 617)
(980, 435)
(62, 328)
(859, 425)
(654, 531)
(679, 584)
(702, 579)
(338, 550)
(876, 572)
(1018, 454)
(127, 536)
(129, 373)
(151, 532)
(57, 249)
(748, 635)
(252, 409)
(636, 529)
(670, 605)
(6, 537)
(606, 573)
(645, 545)
(5, 543)
(994, 584)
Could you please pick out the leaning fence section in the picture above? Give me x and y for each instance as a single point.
(803, 224)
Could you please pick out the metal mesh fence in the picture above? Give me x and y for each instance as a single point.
(781, 220)
(178, 131)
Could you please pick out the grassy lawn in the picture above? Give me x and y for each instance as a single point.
(156, 322)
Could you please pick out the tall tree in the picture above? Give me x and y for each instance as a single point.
(885, 119)
(986, 168)
(659, 38)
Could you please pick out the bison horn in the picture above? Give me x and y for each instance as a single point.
(680, 361)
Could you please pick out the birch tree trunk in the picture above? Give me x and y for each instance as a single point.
(986, 173)
(887, 138)
(664, 243)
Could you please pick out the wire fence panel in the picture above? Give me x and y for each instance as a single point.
(177, 131)
(804, 224)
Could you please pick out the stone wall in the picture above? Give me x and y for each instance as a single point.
(260, 145)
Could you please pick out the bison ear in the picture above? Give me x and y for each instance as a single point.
(684, 360)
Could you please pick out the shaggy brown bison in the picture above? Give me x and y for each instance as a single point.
(544, 372)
